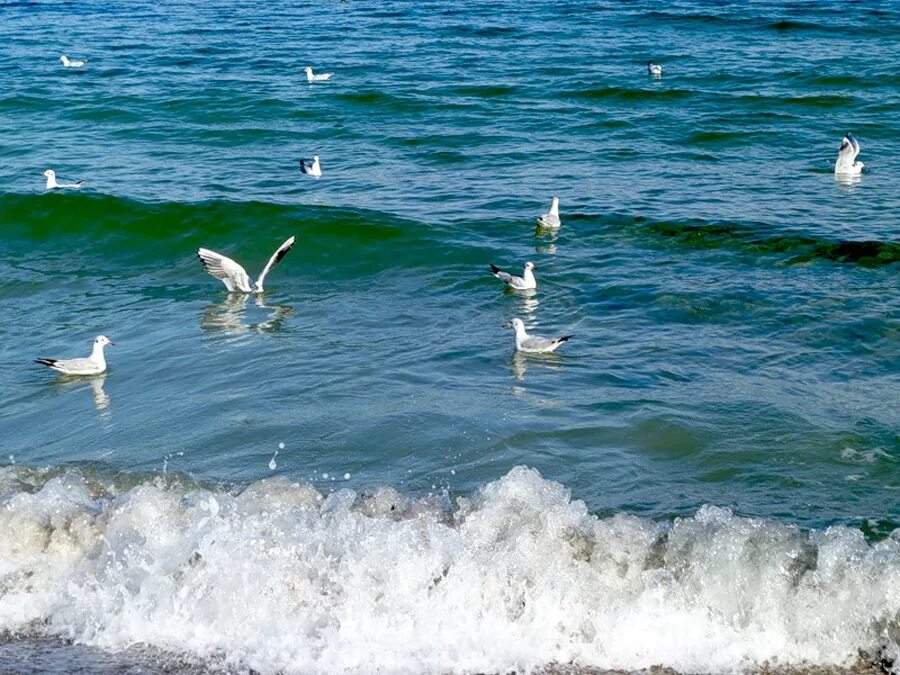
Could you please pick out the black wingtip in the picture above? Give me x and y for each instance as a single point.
(45, 362)
(565, 338)
(282, 252)
(494, 268)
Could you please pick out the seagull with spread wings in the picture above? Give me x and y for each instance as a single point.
(233, 275)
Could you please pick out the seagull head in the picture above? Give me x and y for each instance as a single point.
(49, 173)
(63, 58)
(515, 323)
(315, 158)
(529, 265)
(308, 70)
(102, 341)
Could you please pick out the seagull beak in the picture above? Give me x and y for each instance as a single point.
(112, 343)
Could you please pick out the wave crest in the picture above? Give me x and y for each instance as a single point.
(762, 239)
(282, 578)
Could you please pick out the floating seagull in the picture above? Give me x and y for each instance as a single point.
(312, 168)
(321, 77)
(550, 220)
(71, 64)
(526, 282)
(533, 344)
(50, 175)
(233, 275)
(92, 365)
(845, 164)
(654, 69)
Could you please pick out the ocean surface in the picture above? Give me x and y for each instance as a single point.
(705, 478)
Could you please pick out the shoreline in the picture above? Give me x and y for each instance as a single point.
(46, 654)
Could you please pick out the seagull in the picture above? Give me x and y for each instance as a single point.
(233, 275)
(50, 175)
(550, 220)
(526, 282)
(71, 64)
(533, 344)
(92, 365)
(845, 164)
(654, 69)
(321, 77)
(312, 168)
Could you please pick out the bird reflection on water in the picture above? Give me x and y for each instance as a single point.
(521, 363)
(102, 400)
(529, 304)
(546, 240)
(847, 183)
(233, 317)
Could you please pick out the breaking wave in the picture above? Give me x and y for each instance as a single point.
(279, 577)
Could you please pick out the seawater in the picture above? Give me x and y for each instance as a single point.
(704, 478)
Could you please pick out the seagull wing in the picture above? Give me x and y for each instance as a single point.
(537, 343)
(222, 267)
(275, 259)
(510, 280)
(80, 366)
(854, 143)
(505, 277)
(847, 145)
(548, 220)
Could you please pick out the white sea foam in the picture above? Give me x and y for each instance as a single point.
(281, 578)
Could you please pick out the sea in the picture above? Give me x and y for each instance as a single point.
(354, 472)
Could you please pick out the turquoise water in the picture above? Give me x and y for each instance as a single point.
(713, 455)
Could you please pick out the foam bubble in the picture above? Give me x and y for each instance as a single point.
(511, 578)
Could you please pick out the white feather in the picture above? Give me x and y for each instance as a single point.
(233, 275)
